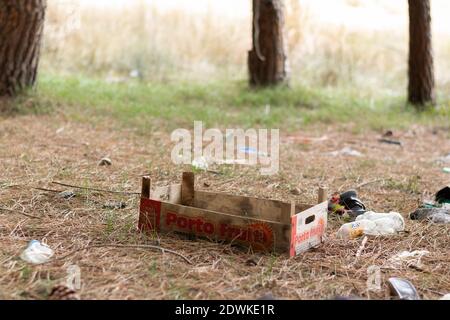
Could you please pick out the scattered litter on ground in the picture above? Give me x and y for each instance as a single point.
(347, 151)
(114, 205)
(444, 159)
(390, 141)
(446, 170)
(443, 195)
(305, 140)
(407, 258)
(346, 204)
(445, 297)
(402, 289)
(105, 162)
(251, 262)
(36, 253)
(374, 224)
(135, 74)
(200, 163)
(250, 150)
(62, 292)
(437, 211)
(434, 215)
(388, 133)
(68, 194)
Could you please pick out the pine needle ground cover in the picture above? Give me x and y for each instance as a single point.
(65, 144)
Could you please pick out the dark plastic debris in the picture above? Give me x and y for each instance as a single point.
(402, 289)
(67, 195)
(443, 196)
(351, 202)
(390, 141)
(436, 215)
(115, 205)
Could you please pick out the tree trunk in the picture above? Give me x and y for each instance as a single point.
(421, 72)
(21, 27)
(267, 61)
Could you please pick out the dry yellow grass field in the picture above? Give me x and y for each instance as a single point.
(331, 43)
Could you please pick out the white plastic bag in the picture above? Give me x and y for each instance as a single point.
(372, 223)
(386, 223)
(36, 253)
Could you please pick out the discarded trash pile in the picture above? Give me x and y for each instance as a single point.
(437, 211)
(363, 222)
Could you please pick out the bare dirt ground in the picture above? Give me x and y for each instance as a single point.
(36, 150)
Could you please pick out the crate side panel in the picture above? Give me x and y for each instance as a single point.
(258, 234)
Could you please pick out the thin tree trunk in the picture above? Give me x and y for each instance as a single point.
(421, 69)
(267, 61)
(21, 28)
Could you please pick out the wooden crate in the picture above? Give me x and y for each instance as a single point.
(262, 224)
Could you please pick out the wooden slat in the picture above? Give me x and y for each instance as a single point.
(146, 184)
(187, 189)
(322, 195)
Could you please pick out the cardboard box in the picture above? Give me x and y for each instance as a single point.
(264, 225)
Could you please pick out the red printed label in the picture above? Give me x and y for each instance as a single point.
(259, 235)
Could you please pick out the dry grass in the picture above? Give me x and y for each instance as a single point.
(173, 44)
(34, 153)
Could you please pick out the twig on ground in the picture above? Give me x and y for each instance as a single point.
(367, 183)
(47, 190)
(360, 249)
(95, 189)
(135, 246)
(20, 212)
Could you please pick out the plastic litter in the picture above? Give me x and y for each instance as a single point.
(372, 223)
(105, 162)
(407, 258)
(353, 230)
(390, 141)
(402, 289)
(114, 205)
(445, 159)
(200, 163)
(249, 150)
(443, 195)
(346, 152)
(434, 215)
(445, 297)
(36, 253)
(67, 195)
(346, 203)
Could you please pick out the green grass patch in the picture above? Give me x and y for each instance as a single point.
(226, 104)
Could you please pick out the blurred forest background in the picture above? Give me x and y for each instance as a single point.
(347, 57)
(343, 43)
